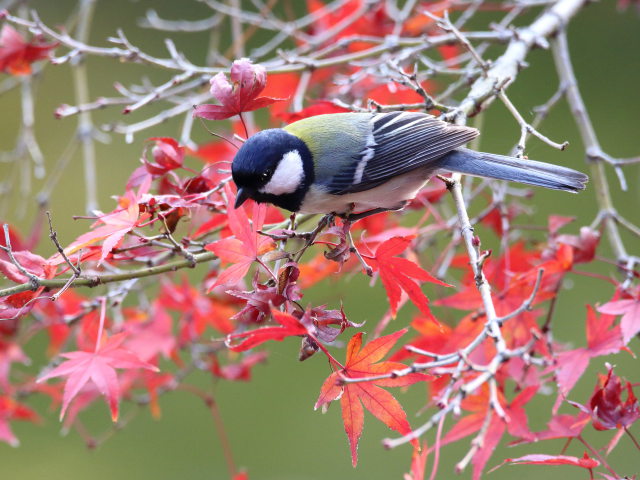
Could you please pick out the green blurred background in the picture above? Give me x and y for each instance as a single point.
(272, 427)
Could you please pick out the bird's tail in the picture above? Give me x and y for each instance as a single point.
(513, 169)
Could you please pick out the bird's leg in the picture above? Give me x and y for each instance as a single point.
(311, 236)
(325, 221)
(354, 217)
(368, 270)
(348, 219)
(292, 233)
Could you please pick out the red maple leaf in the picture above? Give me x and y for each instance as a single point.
(602, 339)
(15, 306)
(556, 222)
(515, 423)
(315, 270)
(397, 274)
(55, 317)
(197, 310)
(430, 194)
(216, 152)
(374, 21)
(630, 311)
(17, 55)
(247, 244)
(288, 325)
(237, 97)
(16, 240)
(512, 275)
(167, 155)
(19, 304)
(361, 363)
(12, 410)
(433, 338)
(606, 407)
(99, 368)
(391, 93)
(259, 303)
(240, 370)
(418, 463)
(317, 325)
(584, 245)
(31, 262)
(10, 353)
(541, 459)
(155, 383)
(418, 23)
(497, 218)
(280, 85)
(319, 107)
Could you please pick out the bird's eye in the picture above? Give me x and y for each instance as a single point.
(266, 175)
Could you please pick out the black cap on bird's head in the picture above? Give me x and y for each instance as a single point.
(273, 166)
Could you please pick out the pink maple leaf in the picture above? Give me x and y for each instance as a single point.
(603, 338)
(630, 311)
(113, 226)
(241, 95)
(247, 244)
(99, 368)
(153, 336)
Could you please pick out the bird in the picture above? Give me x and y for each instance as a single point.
(356, 164)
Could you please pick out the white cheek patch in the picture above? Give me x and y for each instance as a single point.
(288, 175)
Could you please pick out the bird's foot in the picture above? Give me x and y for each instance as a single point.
(354, 217)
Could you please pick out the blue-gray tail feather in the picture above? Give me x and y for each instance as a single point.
(501, 167)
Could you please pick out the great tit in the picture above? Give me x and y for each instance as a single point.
(355, 163)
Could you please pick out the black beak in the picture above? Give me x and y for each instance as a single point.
(243, 196)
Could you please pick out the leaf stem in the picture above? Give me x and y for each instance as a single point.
(633, 439)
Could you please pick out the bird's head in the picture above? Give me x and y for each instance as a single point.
(273, 166)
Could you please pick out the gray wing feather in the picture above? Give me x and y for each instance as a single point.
(399, 142)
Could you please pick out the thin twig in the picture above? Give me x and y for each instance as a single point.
(594, 152)
(34, 280)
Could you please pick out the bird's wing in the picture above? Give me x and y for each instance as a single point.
(398, 143)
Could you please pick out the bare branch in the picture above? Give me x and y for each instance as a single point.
(594, 152)
(504, 70)
(34, 280)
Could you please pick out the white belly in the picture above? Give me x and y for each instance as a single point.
(390, 195)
